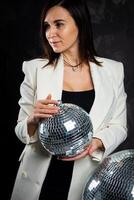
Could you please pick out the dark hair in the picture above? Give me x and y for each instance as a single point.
(79, 10)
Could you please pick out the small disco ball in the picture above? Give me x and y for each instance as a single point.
(113, 179)
(67, 133)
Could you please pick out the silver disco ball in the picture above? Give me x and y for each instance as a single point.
(67, 133)
(113, 179)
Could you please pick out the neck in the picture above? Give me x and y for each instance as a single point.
(72, 56)
(68, 63)
(71, 59)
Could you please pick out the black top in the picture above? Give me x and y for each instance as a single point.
(58, 178)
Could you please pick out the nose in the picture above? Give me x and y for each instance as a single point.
(51, 32)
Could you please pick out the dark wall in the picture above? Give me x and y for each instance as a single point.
(113, 28)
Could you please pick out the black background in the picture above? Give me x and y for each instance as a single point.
(113, 28)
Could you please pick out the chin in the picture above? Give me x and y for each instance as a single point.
(57, 51)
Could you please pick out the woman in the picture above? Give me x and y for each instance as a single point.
(70, 71)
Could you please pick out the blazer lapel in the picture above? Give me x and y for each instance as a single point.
(50, 81)
(104, 94)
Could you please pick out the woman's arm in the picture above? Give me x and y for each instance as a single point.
(115, 131)
(32, 110)
(26, 103)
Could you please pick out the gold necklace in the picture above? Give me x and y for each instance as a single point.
(74, 67)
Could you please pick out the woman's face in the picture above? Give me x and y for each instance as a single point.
(61, 30)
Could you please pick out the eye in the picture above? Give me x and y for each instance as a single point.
(59, 24)
(46, 26)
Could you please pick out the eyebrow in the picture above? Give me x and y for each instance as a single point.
(55, 21)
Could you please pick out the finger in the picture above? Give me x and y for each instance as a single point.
(49, 96)
(42, 116)
(46, 111)
(41, 104)
(81, 155)
(49, 101)
(91, 150)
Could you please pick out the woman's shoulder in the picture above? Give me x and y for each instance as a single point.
(31, 66)
(108, 61)
(111, 65)
(37, 62)
(113, 68)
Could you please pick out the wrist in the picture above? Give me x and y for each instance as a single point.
(32, 126)
(32, 121)
(100, 143)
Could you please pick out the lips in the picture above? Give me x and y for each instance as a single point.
(55, 42)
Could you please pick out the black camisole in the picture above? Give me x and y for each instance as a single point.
(57, 182)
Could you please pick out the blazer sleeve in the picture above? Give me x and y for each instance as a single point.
(115, 131)
(26, 102)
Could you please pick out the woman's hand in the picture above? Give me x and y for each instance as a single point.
(96, 144)
(42, 109)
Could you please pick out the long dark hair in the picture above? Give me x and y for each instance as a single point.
(79, 11)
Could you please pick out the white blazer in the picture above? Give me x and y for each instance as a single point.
(108, 115)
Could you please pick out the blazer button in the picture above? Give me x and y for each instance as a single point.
(24, 174)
